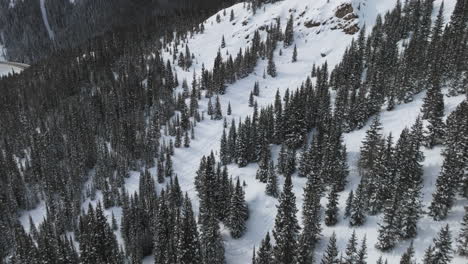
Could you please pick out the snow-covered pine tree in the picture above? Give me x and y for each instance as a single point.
(286, 228)
(331, 212)
(462, 240)
(362, 253)
(238, 212)
(311, 218)
(349, 204)
(331, 253)
(271, 68)
(446, 185)
(358, 211)
(188, 243)
(272, 181)
(441, 252)
(218, 113)
(294, 56)
(264, 254)
(351, 254)
(408, 256)
(389, 232)
(289, 32)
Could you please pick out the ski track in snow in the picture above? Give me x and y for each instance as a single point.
(46, 20)
(311, 47)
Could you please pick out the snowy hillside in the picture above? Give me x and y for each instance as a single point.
(323, 30)
(320, 37)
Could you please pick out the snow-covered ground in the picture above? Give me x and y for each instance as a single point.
(8, 69)
(315, 45)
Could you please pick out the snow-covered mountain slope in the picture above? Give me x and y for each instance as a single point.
(323, 29)
(322, 33)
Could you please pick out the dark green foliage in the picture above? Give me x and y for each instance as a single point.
(331, 253)
(462, 239)
(286, 228)
(441, 251)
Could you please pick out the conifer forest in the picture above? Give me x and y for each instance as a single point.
(233, 132)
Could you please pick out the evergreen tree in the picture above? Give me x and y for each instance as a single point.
(272, 181)
(331, 253)
(238, 212)
(362, 253)
(463, 236)
(408, 256)
(294, 57)
(351, 250)
(357, 216)
(311, 218)
(218, 114)
(264, 254)
(442, 252)
(289, 32)
(188, 244)
(271, 68)
(449, 178)
(331, 213)
(389, 227)
(211, 243)
(349, 204)
(286, 226)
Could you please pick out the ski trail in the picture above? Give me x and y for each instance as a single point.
(46, 21)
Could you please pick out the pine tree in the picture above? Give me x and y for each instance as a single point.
(238, 212)
(286, 226)
(168, 171)
(362, 253)
(331, 213)
(294, 57)
(408, 256)
(218, 114)
(351, 250)
(264, 254)
(463, 236)
(357, 216)
(311, 218)
(272, 181)
(186, 139)
(442, 251)
(188, 244)
(370, 146)
(289, 32)
(271, 68)
(229, 111)
(446, 184)
(211, 243)
(389, 231)
(331, 253)
(349, 204)
(223, 43)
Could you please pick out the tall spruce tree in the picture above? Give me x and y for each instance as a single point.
(462, 239)
(331, 253)
(238, 212)
(441, 252)
(286, 226)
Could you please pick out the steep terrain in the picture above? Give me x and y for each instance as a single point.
(323, 29)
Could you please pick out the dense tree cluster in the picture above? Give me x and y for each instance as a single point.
(432, 56)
